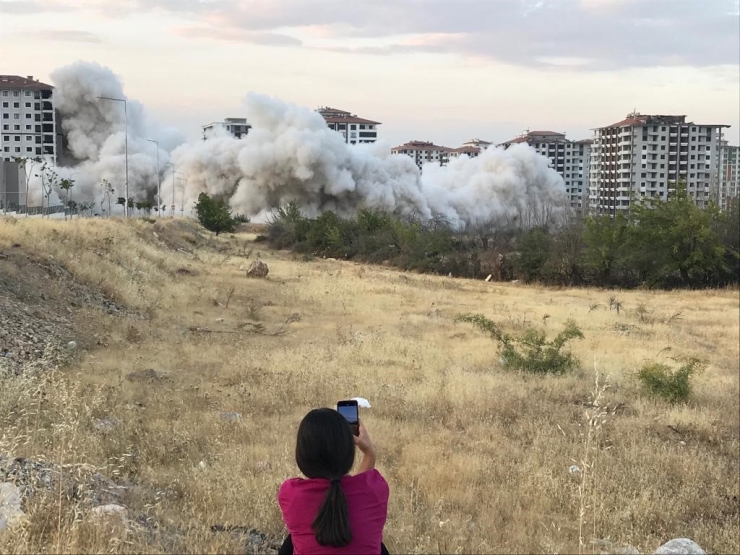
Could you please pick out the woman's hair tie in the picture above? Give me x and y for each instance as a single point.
(336, 481)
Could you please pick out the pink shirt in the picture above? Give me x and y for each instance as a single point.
(367, 503)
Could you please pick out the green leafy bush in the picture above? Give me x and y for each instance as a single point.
(670, 384)
(531, 351)
(215, 215)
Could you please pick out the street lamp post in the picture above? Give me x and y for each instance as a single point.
(125, 116)
(159, 198)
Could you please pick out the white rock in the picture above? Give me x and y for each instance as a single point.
(574, 469)
(113, 514)
(10, 505)
(489, 277)
(680, 546)
(72, 345)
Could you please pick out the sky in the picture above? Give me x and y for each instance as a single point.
(445, 71)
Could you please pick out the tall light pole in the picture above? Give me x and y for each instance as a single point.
(159, 199)
(184, 183)
(125, 116)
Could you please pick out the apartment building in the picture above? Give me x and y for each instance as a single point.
(237, 127)
(423, 152)
(28, 126)
(478, 143)
(354, 129)
(729, 174)
(571, 159)
(645, 155)
(465, 150)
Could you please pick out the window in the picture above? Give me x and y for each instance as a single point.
(28, 104)
(17, 138)
(5, 93)
(17, 149)
(29, 127)
(5, 104)
(16, 116)
(16, 128)
(29, 138)
(693, 166)
(29, 149)
(662, 156)
(662, 147)
(28, 116)
(16, 93)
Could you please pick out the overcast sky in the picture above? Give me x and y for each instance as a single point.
(439, 70)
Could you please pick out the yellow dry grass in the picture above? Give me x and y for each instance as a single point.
(477, 458)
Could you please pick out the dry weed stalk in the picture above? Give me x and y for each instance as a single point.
(596, 415)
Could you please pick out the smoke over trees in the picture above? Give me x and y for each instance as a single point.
(290, 155)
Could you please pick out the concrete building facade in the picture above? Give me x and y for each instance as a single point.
(12, 187)
(571, 159)
(237, 127)
(28, 126)
(729, 174)
(354, 129)
(646, 155)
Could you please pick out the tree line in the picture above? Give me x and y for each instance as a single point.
(666, 244)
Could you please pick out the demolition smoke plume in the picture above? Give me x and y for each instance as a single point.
(290, 154)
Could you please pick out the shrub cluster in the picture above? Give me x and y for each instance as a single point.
(531, 351)
(669, 244)
(670, 384)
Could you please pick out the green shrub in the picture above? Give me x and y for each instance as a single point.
(670, 384)
(531, 351)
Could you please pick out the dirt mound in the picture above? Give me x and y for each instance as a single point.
(39, 304)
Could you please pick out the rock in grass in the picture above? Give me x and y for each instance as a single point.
(10, 505)
(680, 546)
(112, 514)
(258, 269)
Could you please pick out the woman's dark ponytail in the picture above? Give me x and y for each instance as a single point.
(331, 526)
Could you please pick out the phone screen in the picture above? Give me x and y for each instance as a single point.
(348, 409)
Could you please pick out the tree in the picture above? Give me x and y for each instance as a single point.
(215, 215)
(49, 180)
(533, 247)
(605, 246)
(107, 192)
(676, 240)
(144, 205)
(66, 185)
(27, 165)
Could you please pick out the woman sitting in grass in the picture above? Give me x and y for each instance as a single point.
(331, 511)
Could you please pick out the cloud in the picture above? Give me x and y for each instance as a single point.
(238, 35)
(65, 35)
(611, 34)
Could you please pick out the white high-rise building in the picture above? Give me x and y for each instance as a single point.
(355, 130)
(729, 174)
(237, 127)
(28, 126)
(646, 155)
(571, 159)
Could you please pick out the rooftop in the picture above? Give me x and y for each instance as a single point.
(334, 115)
(635, 118)
(15, 82)
(422, 145)
(540, 136)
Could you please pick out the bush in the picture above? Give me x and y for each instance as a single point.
(214, 215)
(531, 352)
(671, 385)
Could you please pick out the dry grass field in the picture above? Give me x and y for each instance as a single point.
(477, 457)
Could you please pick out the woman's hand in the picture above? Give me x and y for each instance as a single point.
(365, 444)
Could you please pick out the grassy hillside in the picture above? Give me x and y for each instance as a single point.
(189, 380)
